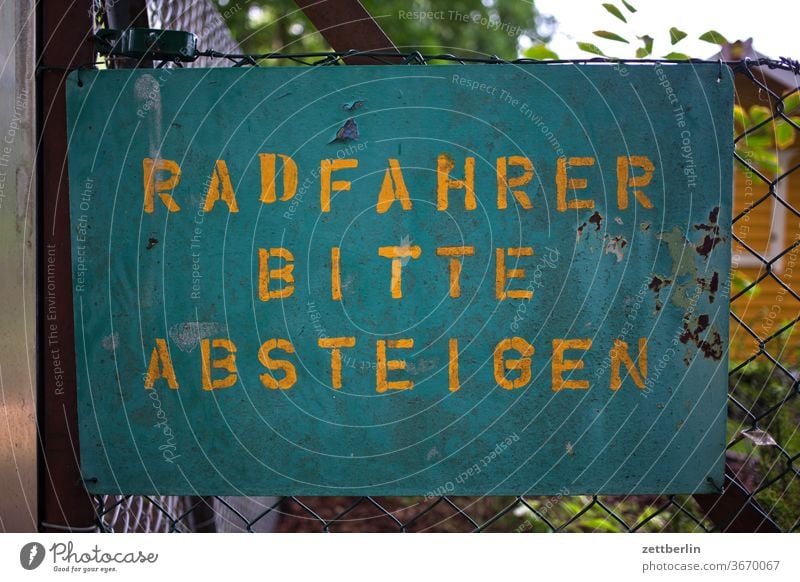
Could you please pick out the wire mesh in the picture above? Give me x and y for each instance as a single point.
(200, 17)
(762, 489)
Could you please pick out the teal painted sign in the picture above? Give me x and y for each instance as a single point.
(402, 280)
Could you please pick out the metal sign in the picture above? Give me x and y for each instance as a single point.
(402, 280)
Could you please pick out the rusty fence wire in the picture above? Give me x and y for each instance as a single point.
(762, 488)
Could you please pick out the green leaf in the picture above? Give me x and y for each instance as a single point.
(758, 141)
(590, 48)
(713, 37)
(647, 49)
(610, 36)
(791, 102)
(784, 135)
(539, 52)
(615, 11)
(676, 35)
(763, 158)
(740, 116)
(759, 113)
(677, 56)
(739, 282)
(768, 161)
(598, 524)
(630, 8)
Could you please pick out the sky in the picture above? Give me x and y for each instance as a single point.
(773, 24)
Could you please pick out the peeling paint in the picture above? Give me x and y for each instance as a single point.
(707, 245)
(579, 232)
(147, 92)
(187, 335)
(110, 342)
(712, 239)
(353, 105)
(712, 286)
(656, 285)
(615, 246)
(349, 131)
(347, 284)
(688, 284)
(682, 262)
(422, 366)
(694, 328)
(596, 219)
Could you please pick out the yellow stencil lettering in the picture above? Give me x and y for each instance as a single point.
(393, 188)
(220, 188)
(290, 373)
(227, 363)
(502, 275)
(152, 185)
(560, 365)
(327, 168)
(455, 254)
(383, 365)
(160, 366)
(523, 364)
(452, 369)
(506, 184)
(563, 184)
(444, 182)
(265, 274)
(397, 254)
(268, 177)
(624, 181)
(336, 277)
(619, 355)
(335, 344)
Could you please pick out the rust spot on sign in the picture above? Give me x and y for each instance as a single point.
(709, 242)
(712, 239)
(657, 283)
(713, 286)
(712, 347)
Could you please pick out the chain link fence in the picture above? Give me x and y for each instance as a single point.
(762, 488)
(198, 16)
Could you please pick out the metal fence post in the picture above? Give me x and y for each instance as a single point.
(64, 44)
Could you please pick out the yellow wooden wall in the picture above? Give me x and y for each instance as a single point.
(769, 306)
